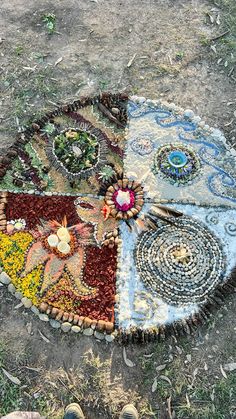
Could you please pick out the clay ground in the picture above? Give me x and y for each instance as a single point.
(175, 57)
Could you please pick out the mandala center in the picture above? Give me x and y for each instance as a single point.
(182, 255)
(124, 199)
(177, 158)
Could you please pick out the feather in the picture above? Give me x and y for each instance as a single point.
(161, 210)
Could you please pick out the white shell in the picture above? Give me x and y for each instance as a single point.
(63, 234)
(63, 247)
(53, 240)
(123, 197)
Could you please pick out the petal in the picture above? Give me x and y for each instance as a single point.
(75, 263)
(36, 256)
(52, 271)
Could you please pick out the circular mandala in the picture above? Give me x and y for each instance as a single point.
(182, 263)
(176, 162)
(142, 146)
(77, 150)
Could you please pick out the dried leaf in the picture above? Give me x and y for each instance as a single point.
(29, 327)
(18, 306)
(44, 337)
(148, 355)
(213, 47)
(189, 357)
(58, 61)
(131, 60)
(128, 362)
(179, 350)
(230, 367)
(11, 377)
(154, 385)
(163, 377)
(188, 402)
(218, 20)
(223, 372)
(211, 18)
(160, 367)
(205, 367)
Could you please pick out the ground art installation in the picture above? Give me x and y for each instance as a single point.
(118, 218)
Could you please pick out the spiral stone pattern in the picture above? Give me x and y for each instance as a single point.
(181, 262)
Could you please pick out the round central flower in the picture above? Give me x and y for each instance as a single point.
(61, 242)
(124, 199)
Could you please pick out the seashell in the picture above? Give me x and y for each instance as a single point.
(63, 234)
(63, 247)
(53, 240)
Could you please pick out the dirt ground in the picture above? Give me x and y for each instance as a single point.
(175, 57)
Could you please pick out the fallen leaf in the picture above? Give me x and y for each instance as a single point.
(163, 377)
(58, 61)
(189, 357)
(218, 20)
(29, 327)
(160, 367)
(179, 350)
(187, 400)
(131, 60)
(148, 356)
(128, 362)
(18, 306)
(213, 47)
(223, 372)
(154, 385)
(230, 367)
(44, 337)
(11, 377)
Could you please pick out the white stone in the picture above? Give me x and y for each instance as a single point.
(18, 295)
(53, 240)
(35, 310)
(44, 317)
(109, 338)
(88, 331)
(63, 247)
(76, 329)
(27, 302)
(55, 324)
(63, 234)
(65, 327)
(11, 288)
(99, 335)
(123, 197)
(4, 278)
(188, 113)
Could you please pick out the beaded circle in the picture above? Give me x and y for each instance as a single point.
(176, 162)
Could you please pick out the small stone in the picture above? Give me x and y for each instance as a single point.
(18, 295)
(76, 329)
(4, 278)
(88, 331)
(99, 335)
(109, 338)
(35, 310)
(188, 113)
(11, 288)
(65, 327)
(44, 317)
(27, 302)
(55, 324)
(43, 307)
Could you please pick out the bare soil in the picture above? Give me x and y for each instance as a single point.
(89, 51)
